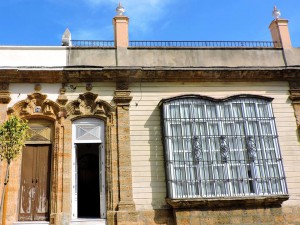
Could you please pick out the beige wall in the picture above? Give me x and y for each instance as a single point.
(149, 188)
(104, 90)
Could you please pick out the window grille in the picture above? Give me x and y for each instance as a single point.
(216, 148)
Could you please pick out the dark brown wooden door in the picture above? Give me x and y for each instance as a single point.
(35, 183)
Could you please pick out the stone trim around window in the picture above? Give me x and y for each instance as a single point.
(223, 202)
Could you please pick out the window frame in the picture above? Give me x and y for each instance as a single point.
(255, 198)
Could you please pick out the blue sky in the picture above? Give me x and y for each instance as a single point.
(42, 22)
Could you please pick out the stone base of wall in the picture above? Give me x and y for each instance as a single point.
(154, 217)
(249, 216)
(287, 215)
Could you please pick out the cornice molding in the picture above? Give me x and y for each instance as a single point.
(153, 74)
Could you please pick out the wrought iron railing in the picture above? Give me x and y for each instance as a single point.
(204, 44)
(93, 43)
(180, 44)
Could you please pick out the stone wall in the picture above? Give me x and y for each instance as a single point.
(245, 216)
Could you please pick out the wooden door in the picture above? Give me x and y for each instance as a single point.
(35, 183)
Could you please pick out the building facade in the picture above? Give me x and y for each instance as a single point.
(133, 134)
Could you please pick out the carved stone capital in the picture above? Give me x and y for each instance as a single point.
(122, 97)
(295, 97)
(4, 97)
(294, 90)
(62, 98)
(4, 93)
(297, 114)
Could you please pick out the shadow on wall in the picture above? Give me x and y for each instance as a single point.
(163, 214)
(156, 158)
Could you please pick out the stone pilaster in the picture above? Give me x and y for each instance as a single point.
(4, 100)
(122, 99)
(295, 97)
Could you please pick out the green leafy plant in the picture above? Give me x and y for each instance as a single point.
(13, 134)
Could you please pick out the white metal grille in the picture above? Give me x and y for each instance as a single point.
(88, 132)
(221, 148)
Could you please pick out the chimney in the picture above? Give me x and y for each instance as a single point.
(120, 23)
(280, 31)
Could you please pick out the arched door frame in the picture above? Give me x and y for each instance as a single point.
(37, 107)
(88, 105)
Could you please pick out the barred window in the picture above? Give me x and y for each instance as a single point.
(219, 148)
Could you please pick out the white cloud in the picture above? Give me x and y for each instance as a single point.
(142, 13)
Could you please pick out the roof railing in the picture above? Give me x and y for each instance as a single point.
(203, 44)
(178, 44)
(93, 43)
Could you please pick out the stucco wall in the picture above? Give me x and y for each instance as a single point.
(20, 91)
(32, 56)
(149, 187)
(181, 57)
(201, 57)
(292, 56)
(92, 57)
(144, 57)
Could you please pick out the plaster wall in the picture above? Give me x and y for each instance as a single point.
(147, 57)
(104, 90)
(19, 91)
(149, 186)
(92, 57)
(292, 56)
(201, 57)
(33, 56)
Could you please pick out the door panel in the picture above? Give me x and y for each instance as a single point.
(42, 185)
(27, 187)
(35, 183)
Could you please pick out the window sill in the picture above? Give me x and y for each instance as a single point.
(255, 201)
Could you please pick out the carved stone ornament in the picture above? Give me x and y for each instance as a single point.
(197, 149)
(251, 148)
(88, 104)
(224, 148)
(62, 98)
(36, 104)
(4, 87)
(38, 87)
(89, 86)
